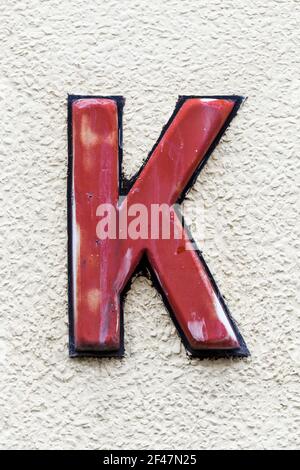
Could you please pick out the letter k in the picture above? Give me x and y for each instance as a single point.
(100, 270)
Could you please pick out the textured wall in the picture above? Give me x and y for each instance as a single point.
(156, 397)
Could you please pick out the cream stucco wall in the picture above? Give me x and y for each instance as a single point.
(150, 52)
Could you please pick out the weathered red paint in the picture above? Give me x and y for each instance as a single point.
(101, 269)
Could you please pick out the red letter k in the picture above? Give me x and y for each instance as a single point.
(100, 269)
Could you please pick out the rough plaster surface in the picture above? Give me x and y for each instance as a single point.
(156, 397)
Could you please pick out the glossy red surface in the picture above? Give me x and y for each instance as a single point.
(101, 268)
